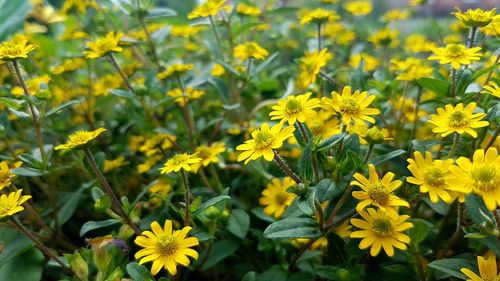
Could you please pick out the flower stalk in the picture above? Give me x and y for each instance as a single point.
(285, 168)
(187, 219)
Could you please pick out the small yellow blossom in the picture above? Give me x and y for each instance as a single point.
(15, 49)
(247, 10)
(457, 119)
(487, 266)
(36, 86)
(175, 69)
(208, 154)
(385, 38)
(250, 50)
(351, 106)
(492, 88)
(310, 65)
(79, 139)
(358, 8)
(180, 161)
(218, 70)
(104, 45)
(475, 18)
(295, 108)
(370, 63)
(318, 16)
(114, 164)
(190, 94)
(456, 55)
(275, 197)
(10, 204)
(209, 8)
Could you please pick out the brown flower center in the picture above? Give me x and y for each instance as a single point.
(381, 227)
(293, 106)
(458, 119)
(379, 194)
(263, 139)
(485, 178)
(349, 105)
(434, 177)
(281, 198)
(166, 245)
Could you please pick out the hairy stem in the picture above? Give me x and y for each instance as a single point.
(285, 168)
(187, 219)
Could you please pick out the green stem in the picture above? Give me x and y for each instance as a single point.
(340, 203)
(319, 211)
(368, 153)
(119, 70)
(454, 145)
(186, 110)
(214, 175)
(285, 168)
(453, 82)
(187, 219)
(106, 188)
(217, 37)
(472, 35)
(151, 43)
(493, 138)
(318, 31)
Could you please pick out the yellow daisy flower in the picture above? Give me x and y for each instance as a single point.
(377, 192)
(492, 89)
(6, 176)
(79, 139)
(10, 204)
(263, 142)
(457, 119)
(493, 28)
(456, 55)
(104, 45)
(15, 49)
(412, 69)
(218, 70)
(250, 50)
(385, 38)
(318, 16)
(417, 43)
(310, 65)
(475, 18)
(487, 265)
(68, 65)
(180, 161)
(358, 8)
(370, 63)
(175, 69)
(208, 154)
(431, 176)
(186, 31)
(482, 175)
(295, 108)
(247, 10)
(35, 85)
(166, 247)
(395, 14)
(209, 8)
(351, 106)
(116, 163)
(381, 230)
(275, 198)
(191, 94)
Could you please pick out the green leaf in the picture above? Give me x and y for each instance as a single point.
(275, 273)
(26, 267)
(463, 81)
(92, 225)
(306, 205)
(12, 15)
(139, 272)
(69, 208)
(419, 231)
(211, 202)
(293, 228)
(122, 93)
(160, 12)
(386, 157)
(452, 266)
(439, 87)
(305, 166)
(229, 68)
(326, 190)
(11, 103)
(475, 206)
(331, 141)
(238, 223)
(221, 250)
(61, 107)
(27, 172)
(440, 207)
(221, 88)
(328, 272)
(483, 71)
(14, 244)
(263, 65)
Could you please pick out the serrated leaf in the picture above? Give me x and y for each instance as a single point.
(293, 228)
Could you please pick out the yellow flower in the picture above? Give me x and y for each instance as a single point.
(416, 3)
(295, 108)
(68, 65)
(487, 265)
(102, 85)
(492, 89)
(417, 43)
(344, 230)
(323, 125)
(318, 16)
(110, 165)
(247, 10)
(395, 14)
(456, 54)
(35, 85)
(381, 230)
(175, 69)
(6, 176)
(150, 162)
(431, 176)
(385, 38)
(78, 6)
(475, 18)
(358, 8)
(15, 49)
(191, 94)
(186, 31)
(208, 154)
(377, 192)
(275, 198)
(250, 50)
(457, 119)
(370, 63)
(180, 161)
(407, 107)
(104, 45)
(412, 69)
(493, 28)
(166, 247)
(161, 186)
(209, 8)
(482, 175)
(10, 204)
(263, 142)
(79, 139)
(310, 65)
(218, 70)
(351, 106)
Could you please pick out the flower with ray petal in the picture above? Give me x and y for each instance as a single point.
(482, 175)
(377, 192)
(15, 49)
(10, 204)
(475, 18)
(208, 154)
(456, 55)
(209, 8)
(79, 139)
(379, 229)
(275, 198)
(318, 16)
(310, 65)
(104, 45)
(358, 8)
(431, 176)
(263, 142)
(250, 50)
(487, 265)
(457, 119)
(180, 161)
(166, 247)
(492, 89)
(295, 108)
(351, 106)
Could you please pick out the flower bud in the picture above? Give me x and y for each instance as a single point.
(374, 135)
(212, 212)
